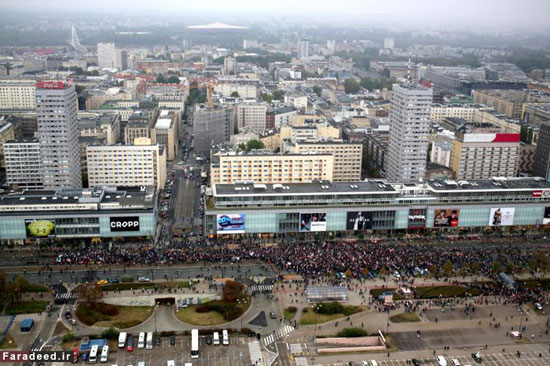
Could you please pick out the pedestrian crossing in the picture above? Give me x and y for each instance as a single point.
(254, 289)
(256, 357)
(301, 361)
(272, 338)
(295, 348)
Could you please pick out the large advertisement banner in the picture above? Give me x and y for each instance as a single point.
(502, 216)
(40, 228)
(313, 222)
(230, 224)
(358, 221)
(546, 219)
(446, 218)
(124, 223)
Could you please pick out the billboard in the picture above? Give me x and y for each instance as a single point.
(313, 221)
(446, 217)
(40, 228)
(230, 224)
(359, 220)
(546, 219)
(124, 223)
(502, 216)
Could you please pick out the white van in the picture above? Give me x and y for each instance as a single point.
(225, 338)
(188, 364)
(141, 363)
(170, 363)
(104, 354)
(216, 339)
(441, 361)
(141, 340)
(93, 354)
(373, 363)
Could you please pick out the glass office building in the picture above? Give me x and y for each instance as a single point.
(376, 205)
(33, 216)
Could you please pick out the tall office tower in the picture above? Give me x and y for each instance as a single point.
(105, 55)
(389, 43)
(303, 49)
(229, 66)
(58, 134)
(409, 130)
(212, 126)
(121, 59)
(542, 154)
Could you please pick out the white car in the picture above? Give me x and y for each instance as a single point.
(441, 361)
(455, 362)
(143, 279)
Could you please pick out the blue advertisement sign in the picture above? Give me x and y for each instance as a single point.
(230, 224)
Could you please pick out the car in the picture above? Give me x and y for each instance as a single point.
(68, 315)
(75, 355)
(84, 356)
(143, 279)
(156, 341)
(251, 333)
(441, 361)
(351, 363)
(364, 363)
(180, 163)
(209, 340)
(415, 362)
(172, 341)
(102, 282)
(130, 344)
(455, 362)
(114, 280)
(272, 315)
(477, 357)
(538, 306)
(72, 321)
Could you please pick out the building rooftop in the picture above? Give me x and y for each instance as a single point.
(320, 187)
(496, 184)
(163, 123)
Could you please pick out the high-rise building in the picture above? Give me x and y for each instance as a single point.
(250, 43)
(302, 52)
(389, 43)
(140, 164)
(121, 59)
(252, 116)
(409, 130)
(542, 155)
(105, 55)
(229, 66)
(212, 126)
(58, 134)
(23, 166)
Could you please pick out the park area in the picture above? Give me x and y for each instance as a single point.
(107, 315)
(326, 312)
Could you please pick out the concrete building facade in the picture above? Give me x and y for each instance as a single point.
(212, 126)
(17, 94)
(252, 116)
(23, 164)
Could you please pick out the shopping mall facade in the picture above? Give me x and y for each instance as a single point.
(76, 214)
(377, 206)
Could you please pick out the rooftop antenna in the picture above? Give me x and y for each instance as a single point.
(409, 72)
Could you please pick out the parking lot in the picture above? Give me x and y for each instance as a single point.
(236, 354)
(495, 359)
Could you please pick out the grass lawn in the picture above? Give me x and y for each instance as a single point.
(289, 315)
(26, 307)
(405, 318)
(378, 291)
(431, 292)
(143, 285)
(543, 283)
(8, 342)
(309, 317)
(190, 315)
(33, 287)
(106, 315)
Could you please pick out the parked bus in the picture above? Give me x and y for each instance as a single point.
(225, 338)
(195, 343)
(141, 340)
(149, 343)
(122, 339)
(93, 354)
(104, 354)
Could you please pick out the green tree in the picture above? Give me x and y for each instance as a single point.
(173, 80)
(496, 267)
(448, 268)
(91, 293)
(476, 267)
(383, 272)
(232, 290)
(161, 79)
(8, 67)
(235, 94)
(351, 86)
(433, 270)
(254, 145)
(317, 90)
(21, 284)
(278, 95)
(267, 98)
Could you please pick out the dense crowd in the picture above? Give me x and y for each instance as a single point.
(315, 259)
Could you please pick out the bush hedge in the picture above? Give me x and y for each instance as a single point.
(352, 332)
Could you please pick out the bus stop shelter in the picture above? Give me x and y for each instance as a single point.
(326, 293)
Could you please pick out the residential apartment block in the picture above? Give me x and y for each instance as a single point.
(23, 164)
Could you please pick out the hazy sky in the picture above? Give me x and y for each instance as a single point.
(532, 14)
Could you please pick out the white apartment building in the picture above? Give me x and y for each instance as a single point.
(106, 55)
(23, 166)
(347, 156)
(252, 116)
(141, 164)
(17, 94)
(245, 90)
(409, 131)
(267, 167)
(441, 153)
(465, 111)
